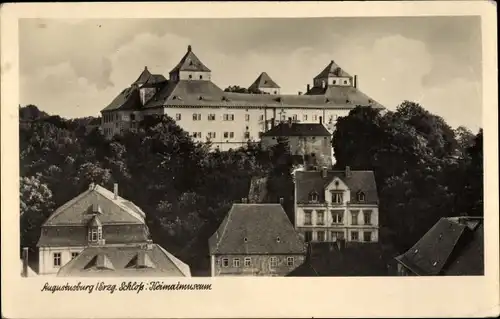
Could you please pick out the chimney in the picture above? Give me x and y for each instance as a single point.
(91, 186)
(324, 172)
(300, 93)
(189, 48)
(347, 171)
(282, 200)
(308, 88)
(25, 262)
(244, 200)
(146, 68)
(115, 190)
(355, 84)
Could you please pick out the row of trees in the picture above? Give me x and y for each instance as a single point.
(424, 169)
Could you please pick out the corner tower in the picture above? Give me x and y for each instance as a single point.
(190, 68)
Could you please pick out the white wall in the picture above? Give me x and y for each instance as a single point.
(46, 258)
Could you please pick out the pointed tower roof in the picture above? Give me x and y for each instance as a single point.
(190, 62)
(264, 81)
(332, 70)
(143, 77)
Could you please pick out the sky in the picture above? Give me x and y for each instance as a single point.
(74, 68)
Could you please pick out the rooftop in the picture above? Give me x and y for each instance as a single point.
(125, 260)
(332, 70)
(190, 62)
(264, 81)
(454, 246)
(256, 229)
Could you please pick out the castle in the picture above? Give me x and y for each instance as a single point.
(230, 119)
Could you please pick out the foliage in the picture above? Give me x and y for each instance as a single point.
(239, 89)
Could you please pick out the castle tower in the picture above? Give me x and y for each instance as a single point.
(333, 75)
(265, 84)
(190, 68)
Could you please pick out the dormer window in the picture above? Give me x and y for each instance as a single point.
(94, 230)
(313, 197)
(278, 239)
(361, 197)
(337, 197)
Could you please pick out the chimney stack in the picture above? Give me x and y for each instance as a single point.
(300, 93)
(355, 84)
(347, 171)
(244, 200)
(324, 172)
(91, 186)
(25, 262)
(115, 190)
(308, 88)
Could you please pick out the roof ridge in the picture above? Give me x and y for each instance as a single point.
(66, 205)
(118, 201)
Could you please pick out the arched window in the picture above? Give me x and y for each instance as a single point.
(361, 197)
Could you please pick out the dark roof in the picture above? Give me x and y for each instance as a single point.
(263, 81)
(128, 99)
(332, 69)
(143, 77)
(312, 181)
(355, 259)
(125, 260)
(190, 62)
(298, 129)
(78, 211)
(265, 227)
(61, 236)
(453, 246)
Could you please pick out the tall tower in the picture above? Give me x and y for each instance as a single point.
(190, 68)
(333, 75)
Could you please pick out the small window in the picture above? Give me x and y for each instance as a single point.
(211, 117)
(354, 217)
(361, 197)
(225, 262)
(290, 261)
(57, 259)
(231, 134)
(201, 77)
(304, 117)
(334, 81)
(245, 239)
(190, 76)
(320, 217)
(337, 216)
(247, 117)
(226, 134)
(132, 117)
(345, 81)
(307, 217)
(278, 239)
(99, 233)
(367, 217)
(337, 197)
(74, 255)
(196, 117)
(236, 262)
(248, 262)
(313, 197)
(274, 262)
(367, 236)
(261, 118)
(247, 135)
(354, 236)
(93, 234)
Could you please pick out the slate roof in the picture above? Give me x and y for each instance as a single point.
(332, 70)
(265, 227)
(298, 129)
(309, 181)
(452, 247)
(190, 62)
(128, 99)
(125, 260)
(264, 81)
(78, 211)
(355, 259)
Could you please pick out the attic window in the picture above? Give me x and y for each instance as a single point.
(347, 101)
(200, 98)
(337, 183)
(201, 77)
(190, 76)
(190, 62)
(313, 197)
(245, 239)
(278, 239)
(345, 82)
(361, 197)
(434, 263)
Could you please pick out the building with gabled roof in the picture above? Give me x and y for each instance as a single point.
(255, 240)
(264, 84)
(310, 141)
(454, 246)
(128, 260)
(333, 205)
(96, 217)
(230, 119)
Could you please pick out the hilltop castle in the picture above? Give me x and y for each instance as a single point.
(229, 119)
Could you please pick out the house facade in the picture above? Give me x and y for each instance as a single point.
(255, 240)
(229, 119)
(332, 205)
(311, 141)
(95, 218)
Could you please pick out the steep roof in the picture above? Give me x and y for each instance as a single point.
(298, 129)
(332, 70)
(355, 259)
(128, 99)
(78, 211)
(264, 81)
(125, 260)
(309, 181)
(143, 77)
(256, 229)
(190, 62)
(453, 246)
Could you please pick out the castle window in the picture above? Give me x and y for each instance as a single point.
(178, 117)
(367, 217)
(367, 236)
(247, 135)
(196, 117)
(354, 236)
(307, 217)
(190, 76)
(247, 117)
(354, 217)
(74, 255)
(337, 197)
(345, 82)
(304, 117)
(228, 117)
(337, 216)
(334, 82)
(320, 217)
(225, 262)
(201, 77)
(211, 117)
(236, 262)
(289, 261)
(248, 261)
(274, 262)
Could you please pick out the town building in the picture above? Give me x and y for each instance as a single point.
(347, 259)
(256, 240)
(95, 218)
(454, 246)
(140, 260)
(230, 119)
(336, 204)
(311, 141)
